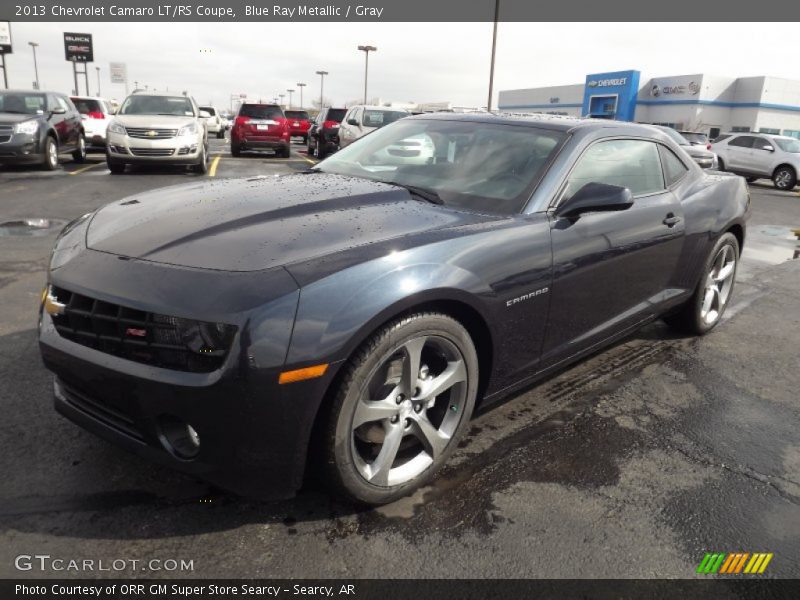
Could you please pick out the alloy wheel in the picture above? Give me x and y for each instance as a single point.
(408, 411)
(719, 284)
(52, 153)
(783, 179)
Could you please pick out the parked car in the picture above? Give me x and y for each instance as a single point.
(96, 114)
(363, 119)
(699, 154)
(696, 138)
(157, 129)
(37, 126)
(358, 315)
(259, 127)
(214, 122)
(299, 124)
(756, 155)
(323, 136)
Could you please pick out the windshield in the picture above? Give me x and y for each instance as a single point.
(379, 118)
(487, 167)
(261, 111)
(335, 114)
(679, 139)
(297, 114)
(788, 145)
(178, 106)
(27, 104)
(87, 105)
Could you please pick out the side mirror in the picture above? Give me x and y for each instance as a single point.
(769, 148)
(58, 110)
(204, 114)
(352, 122)
(595, 197)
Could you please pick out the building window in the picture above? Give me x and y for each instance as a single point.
(792, 133)
(769, 131)
(739, 129)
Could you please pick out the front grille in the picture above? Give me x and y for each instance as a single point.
(152, 151)
(5, 133)
(151, 134)
(100, 410)
(144, 337)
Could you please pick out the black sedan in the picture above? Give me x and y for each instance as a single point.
(353, 316)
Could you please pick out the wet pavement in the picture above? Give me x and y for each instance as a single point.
(633, 463)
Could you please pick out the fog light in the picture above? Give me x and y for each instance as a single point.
(178, 437)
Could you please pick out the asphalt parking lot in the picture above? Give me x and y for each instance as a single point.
(634, 463)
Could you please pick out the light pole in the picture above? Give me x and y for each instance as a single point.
(366, 50)
(281, 96)
(33, 46)
(290, 97)
(98, 80)
(494, 47)
(321, 85)
(301, 86)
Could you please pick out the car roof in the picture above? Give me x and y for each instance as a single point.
(376, 107)
(552, 122)
(31, 92)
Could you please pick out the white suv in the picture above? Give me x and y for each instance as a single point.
(214, 122)
(153, 128)
(361, 120)
(756, 155)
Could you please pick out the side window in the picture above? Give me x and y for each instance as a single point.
(351, 114)
(633, 164)
(66, 103)
(674, 168)
(357, 115)
(743, 141)
(762, 144)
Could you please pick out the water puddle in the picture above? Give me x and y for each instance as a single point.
(30, 227)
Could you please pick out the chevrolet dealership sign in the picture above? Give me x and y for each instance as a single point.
(608, 82)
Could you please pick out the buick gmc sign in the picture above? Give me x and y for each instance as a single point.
(78, 47)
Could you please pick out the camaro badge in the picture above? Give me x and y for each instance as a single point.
(513, 301)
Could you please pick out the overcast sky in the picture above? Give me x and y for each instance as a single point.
(421, 62)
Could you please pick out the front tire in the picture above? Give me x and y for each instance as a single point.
(720, 164)
(784, 178)
(404, 400)
(705, 308)
(201, 168)
(50, 162)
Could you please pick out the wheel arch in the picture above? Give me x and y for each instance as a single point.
(785, 164)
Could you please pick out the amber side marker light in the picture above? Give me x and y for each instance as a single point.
(302, 374)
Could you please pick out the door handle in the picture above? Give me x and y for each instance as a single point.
(671, 220)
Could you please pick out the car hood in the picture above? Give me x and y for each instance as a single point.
(154, 121)
(260, 223)
(12, 118)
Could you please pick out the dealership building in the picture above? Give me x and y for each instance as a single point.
(709, 103)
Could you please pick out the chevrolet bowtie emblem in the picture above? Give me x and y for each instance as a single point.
(151, 133)
(53, 306)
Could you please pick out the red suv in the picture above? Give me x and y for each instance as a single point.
(258, 127)
(299, 124)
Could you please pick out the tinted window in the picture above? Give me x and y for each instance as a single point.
(157, 105)
(87, 105)
(743, 141)
(15, 102)
(209, 109)
(62, 102)
(261, 111)
(297, 114)
(633, 164)
(723, 136)
(335, 114)
(762, 143)
(674, 169)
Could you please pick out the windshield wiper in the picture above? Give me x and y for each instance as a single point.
(424, 193)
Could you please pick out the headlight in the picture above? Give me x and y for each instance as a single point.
(189, 129)
(29, 127)
(115, 127)
(69, 242)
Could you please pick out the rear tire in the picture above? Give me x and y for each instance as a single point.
(412, 386)
(285, 152)
(720, 164)
(784, 178)
(220, 134)
(704, 310)
(80, 153)
(236, 151)
(322, 151)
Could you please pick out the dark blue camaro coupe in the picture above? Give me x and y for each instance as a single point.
(351, 317)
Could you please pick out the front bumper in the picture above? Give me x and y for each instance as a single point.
(183, 150)
(21, 149)
(254, 433)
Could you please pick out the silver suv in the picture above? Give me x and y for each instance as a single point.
(152, 128)
(756, 155)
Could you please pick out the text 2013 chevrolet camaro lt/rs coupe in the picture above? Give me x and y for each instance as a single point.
(352, 317)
